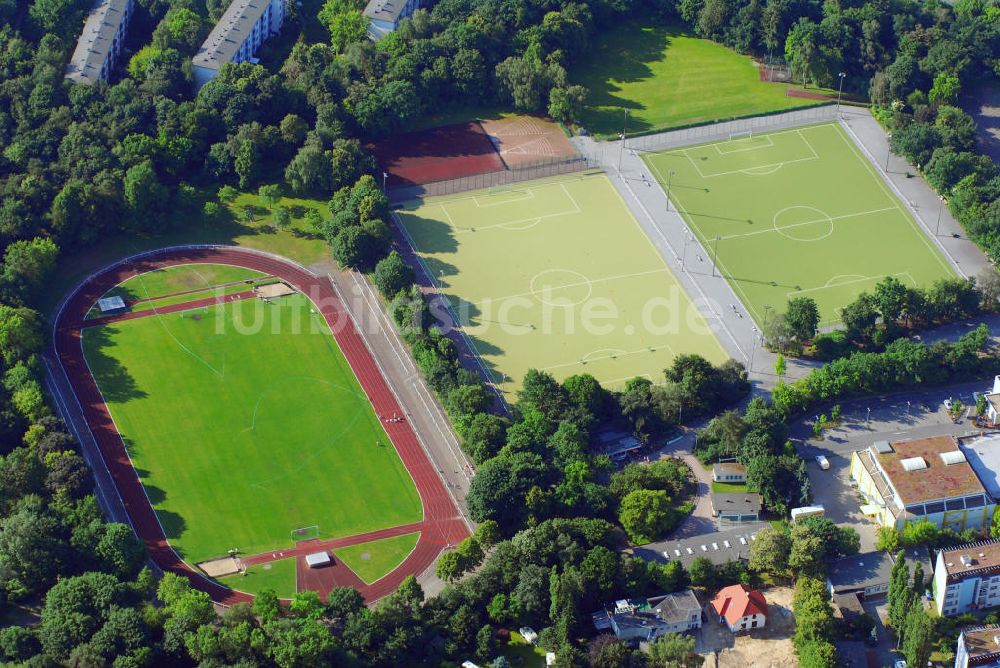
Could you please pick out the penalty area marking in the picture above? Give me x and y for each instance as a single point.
(860, 279)
(602, 354)
(770, 143)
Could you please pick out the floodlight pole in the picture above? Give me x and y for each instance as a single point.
(937, 228)
(385, 177)
(687, 238)
(715, 261)
(621, 148)
(888, 150)
(840, 90)
(753, 351)
(670, 176)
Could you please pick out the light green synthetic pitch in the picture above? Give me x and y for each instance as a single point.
(556, 274)
(799, 212)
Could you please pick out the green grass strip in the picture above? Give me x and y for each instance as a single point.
(374, 560)
(276, 575)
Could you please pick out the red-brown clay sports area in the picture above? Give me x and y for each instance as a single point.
(442, 524)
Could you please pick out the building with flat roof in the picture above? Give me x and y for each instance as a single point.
(639, 620)
(719, 547)
(867, 574)
(967, 578)
(237, 37)
(729, 473)
(384, 15)
(926, 479)
(736, 507)
(983, 454)
(979, 647)
(100, 44)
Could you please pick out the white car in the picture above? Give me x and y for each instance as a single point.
(528, 634)
(823, 462)
(947, 404)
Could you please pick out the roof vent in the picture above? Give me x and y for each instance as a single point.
(996, 640)
(966, 560)
(882, 447)
(953, 457)
(982, 554)
(914, 464)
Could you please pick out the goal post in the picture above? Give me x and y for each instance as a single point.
(746, 134)
(305, 533)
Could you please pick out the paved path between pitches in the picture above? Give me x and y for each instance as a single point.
(442, 523)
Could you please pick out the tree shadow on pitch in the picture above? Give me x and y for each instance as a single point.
(115, 382)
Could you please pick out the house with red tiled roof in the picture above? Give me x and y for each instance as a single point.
(740, 608)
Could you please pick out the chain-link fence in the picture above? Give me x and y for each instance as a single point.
(716, 131)
(522, 172)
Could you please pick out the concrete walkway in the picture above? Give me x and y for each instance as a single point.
(692, 263)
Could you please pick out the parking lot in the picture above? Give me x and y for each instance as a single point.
(899, 417)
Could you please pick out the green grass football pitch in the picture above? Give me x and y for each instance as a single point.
(797, 212)
(244, 422)
(557, 275)
(667, 78)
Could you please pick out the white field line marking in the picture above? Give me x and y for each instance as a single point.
(734, 284)
(526, 194)
(610, 354)
(807, 126)
(677, 258)
(770, 143)
(908, 212)
(576, 284)
(808, 222)
(803, 138)
(852, 282)
(746, 169)
(456, 323)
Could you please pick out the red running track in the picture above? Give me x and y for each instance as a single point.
(442, 523)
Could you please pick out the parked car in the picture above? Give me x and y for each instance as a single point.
(529, 634)
(947, 404)
(823, 462)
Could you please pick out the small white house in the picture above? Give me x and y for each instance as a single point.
(728, 472)
(740, 608)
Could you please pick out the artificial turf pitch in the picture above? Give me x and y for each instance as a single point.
(244, 421)
(557, 275)
(797, 212)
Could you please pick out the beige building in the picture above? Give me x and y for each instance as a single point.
(927, 479)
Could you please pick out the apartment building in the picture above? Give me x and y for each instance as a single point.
(237, 37)
(100, 44)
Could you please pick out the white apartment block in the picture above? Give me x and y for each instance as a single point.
(100, 43)
(237, 37)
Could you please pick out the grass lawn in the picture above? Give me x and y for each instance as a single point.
(668, 78)
(798, 212)
(160, 287)
(244, 421)
(556, 274)
(276, 575)
(373, 560)
(728, 488)
(297, 242)
(520, 653)
(180, 278)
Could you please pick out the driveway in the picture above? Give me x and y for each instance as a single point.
(864, 421)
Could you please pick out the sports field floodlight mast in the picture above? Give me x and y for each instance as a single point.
(753, 351)
(715, 260)
(840, 90)
(621, 148)
(670, 176)
(687, 238)
(385, 177)
(888, 150)
(941, 204)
